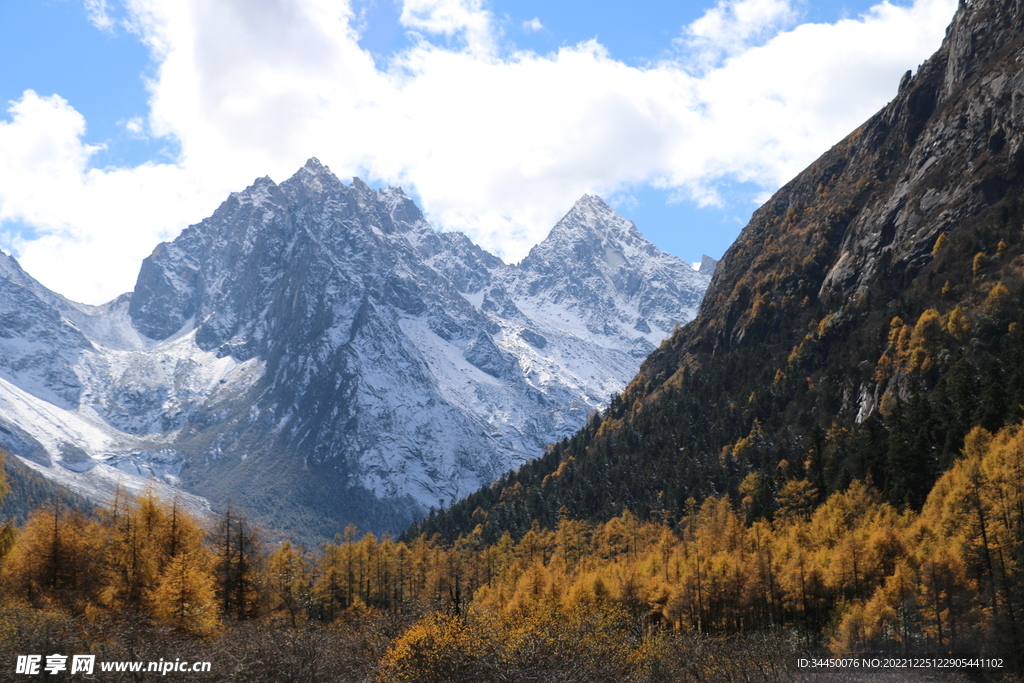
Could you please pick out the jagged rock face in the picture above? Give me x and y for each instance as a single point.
(805, 362)
(58, 363)
(944, 158)
(38, 346)
(318, 353)
(945, 149)
(593, 257)
(707, 264)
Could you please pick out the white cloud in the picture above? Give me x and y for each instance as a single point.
(135, 127)
(95, 225)
(98, 15)
(773, 108)
(451, 17)
(732, 25)
(496, 145)
(533, 25)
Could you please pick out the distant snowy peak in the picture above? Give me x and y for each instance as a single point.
(384, 212)
(12, 273)
(597, 274)
(316, 351)
(220, 274)
(593, 236)
(589, 224)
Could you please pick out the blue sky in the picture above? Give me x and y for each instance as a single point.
(128, 120)
(51, 47)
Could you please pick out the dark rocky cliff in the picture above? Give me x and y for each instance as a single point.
(862, 322)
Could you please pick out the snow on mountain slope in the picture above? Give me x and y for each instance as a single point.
(595, 276)
(38, 344)
(317, 353)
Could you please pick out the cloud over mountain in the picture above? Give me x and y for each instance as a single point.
(494, 141)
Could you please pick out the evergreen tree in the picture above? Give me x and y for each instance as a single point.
(237, 555)
(185, 594)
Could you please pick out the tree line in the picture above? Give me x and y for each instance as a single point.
(882, 387)
(624, 599)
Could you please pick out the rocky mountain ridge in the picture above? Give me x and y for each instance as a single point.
(318, 354)
(868, 316)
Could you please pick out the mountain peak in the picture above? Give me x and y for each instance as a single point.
(9, 265)
(313, 165)
(591, 221)
(593, 205)
(327, 329)
(361, 189)
(594, 255)
(315, 175)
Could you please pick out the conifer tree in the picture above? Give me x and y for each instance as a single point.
(185, 594)
(236, 548)
(58, 555)
(7, 531)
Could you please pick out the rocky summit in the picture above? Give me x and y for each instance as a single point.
(318, 354)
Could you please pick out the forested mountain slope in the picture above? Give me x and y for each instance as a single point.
(848, 404)
(865, 320)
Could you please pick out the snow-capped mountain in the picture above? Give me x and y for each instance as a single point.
(318, 354)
